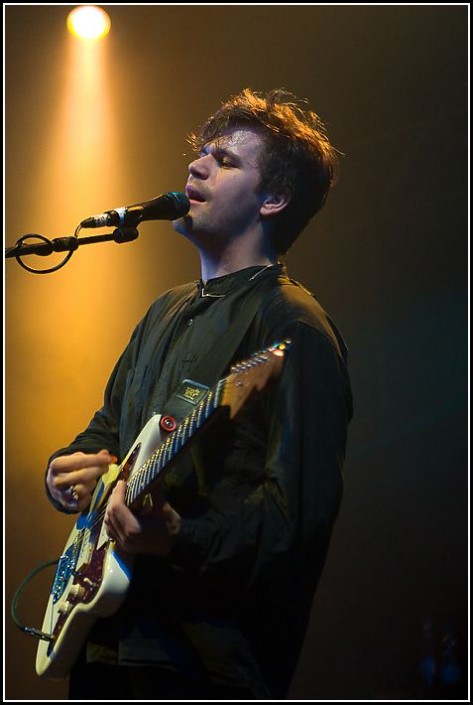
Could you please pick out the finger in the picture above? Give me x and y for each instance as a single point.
(84, 476)
(78, 468)
(110, 518)
(66, 482)
(116, 507)
(117, 494)
(114, 528)
(79, 460)
(119, 520)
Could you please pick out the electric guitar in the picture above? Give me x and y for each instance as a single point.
(92, 575)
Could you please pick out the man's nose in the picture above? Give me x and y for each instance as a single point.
(199, 168)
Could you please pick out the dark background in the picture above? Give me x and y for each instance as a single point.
(387, 257)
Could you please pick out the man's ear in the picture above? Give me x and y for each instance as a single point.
(274, 203)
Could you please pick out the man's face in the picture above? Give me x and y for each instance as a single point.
(222, 189)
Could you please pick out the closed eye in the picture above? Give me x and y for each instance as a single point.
(224, 161)
(221, 156)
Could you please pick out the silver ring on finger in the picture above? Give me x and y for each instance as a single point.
(72, 493)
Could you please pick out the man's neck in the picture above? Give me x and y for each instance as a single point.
(212, 270)
(234, 257)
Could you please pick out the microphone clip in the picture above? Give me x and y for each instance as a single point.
(125, 234)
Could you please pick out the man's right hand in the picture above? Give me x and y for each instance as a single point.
(71, 479)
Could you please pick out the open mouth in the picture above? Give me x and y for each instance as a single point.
(194, 195)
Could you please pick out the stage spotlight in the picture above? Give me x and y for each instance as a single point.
(88, 22)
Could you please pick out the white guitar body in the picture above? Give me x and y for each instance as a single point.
(92, 577)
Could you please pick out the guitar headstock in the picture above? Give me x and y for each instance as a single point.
(252, 375)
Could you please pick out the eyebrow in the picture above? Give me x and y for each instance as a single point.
(220, 152)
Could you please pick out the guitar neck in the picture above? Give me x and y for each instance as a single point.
(141, 480)
(229, 394)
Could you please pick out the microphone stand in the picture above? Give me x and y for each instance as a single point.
(67, 244)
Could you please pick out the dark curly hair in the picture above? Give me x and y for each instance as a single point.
(298, 161)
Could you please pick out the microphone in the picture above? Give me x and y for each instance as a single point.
(169, 206)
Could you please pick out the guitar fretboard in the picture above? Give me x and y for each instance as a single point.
(168, 450)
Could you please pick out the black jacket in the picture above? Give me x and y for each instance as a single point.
(232, 601)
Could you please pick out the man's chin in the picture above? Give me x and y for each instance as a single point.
(183, 225)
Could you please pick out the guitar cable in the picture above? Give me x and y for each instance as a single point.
(31, 631)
